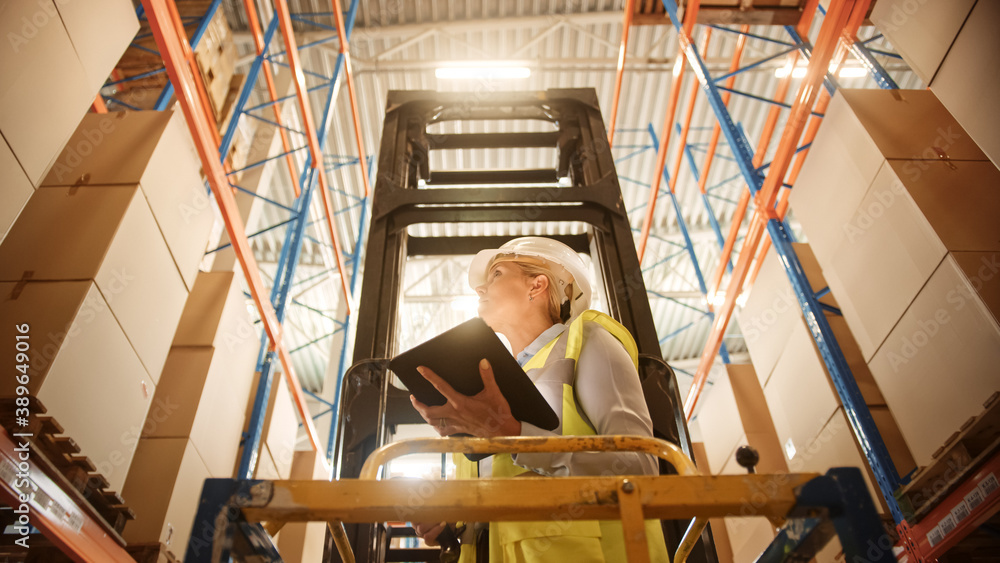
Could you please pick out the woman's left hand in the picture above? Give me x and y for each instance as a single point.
(484, 415)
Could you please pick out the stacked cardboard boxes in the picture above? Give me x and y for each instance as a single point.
(209, 371)
(906, 233)
(799, 391)
(81, 363)
(216, 58)
(164, 490)
(735, 413)
(202, 392)
(60, 54)
(953, 48)
(15, 191)
(921, 32)
(154, 150)
(105, 234)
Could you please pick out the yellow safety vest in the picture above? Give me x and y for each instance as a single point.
(562, 539)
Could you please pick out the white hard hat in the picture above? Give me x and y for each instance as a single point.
(572, 270)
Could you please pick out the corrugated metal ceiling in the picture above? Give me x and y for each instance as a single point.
(397, 45)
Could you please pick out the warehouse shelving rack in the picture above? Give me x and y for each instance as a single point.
(930, 537)
(306, 179)
(67, 520)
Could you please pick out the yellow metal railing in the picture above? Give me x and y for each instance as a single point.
(630, 506)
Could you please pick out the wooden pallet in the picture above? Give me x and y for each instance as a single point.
(62, 455)
(958, 457)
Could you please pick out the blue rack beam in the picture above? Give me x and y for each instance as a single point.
(855, 407)
(287, 263)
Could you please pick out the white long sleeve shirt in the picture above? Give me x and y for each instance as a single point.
(609, 395)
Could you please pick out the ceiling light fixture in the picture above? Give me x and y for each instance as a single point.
(852, 72)
(800, 71)
(482, 71)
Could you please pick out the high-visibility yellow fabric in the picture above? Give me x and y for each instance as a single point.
(560, 538)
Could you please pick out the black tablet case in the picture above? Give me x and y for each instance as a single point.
(454, 355)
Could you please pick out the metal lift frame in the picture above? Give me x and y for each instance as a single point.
(369, 402)
(236, 517)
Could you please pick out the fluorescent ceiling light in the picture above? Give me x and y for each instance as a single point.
(800, 71)
(719, 298)
(486, 71)
(852, 72)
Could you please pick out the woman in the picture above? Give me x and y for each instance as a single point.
(535, 291)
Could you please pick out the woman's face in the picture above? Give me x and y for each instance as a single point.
(504, 296)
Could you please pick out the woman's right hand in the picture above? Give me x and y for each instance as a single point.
(429, 531)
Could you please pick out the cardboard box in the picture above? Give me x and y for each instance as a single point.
(758, 425)
(942, 355)
(217, 314)
(164, 489)
(210, 389)
(280, 431)
(772, 309)
(921, 32)
(914, 213)
(154, 150)
(735, 413)
(100, 31)
(265, 466)
(15, 188)
(748, 535)
(303, 542)
(798, 395)
(723, 549)
(981, 268)
(107, 234)
(888, 429)
(82, 368)
(835, 446)
(969, 74)
(43, 85)
(210, 373)
(721, 427)
(862, 129)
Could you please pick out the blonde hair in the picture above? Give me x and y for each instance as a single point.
(534, 267)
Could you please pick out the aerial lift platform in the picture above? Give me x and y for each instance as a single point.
(236, 517)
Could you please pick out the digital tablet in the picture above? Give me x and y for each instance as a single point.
(455, 354)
